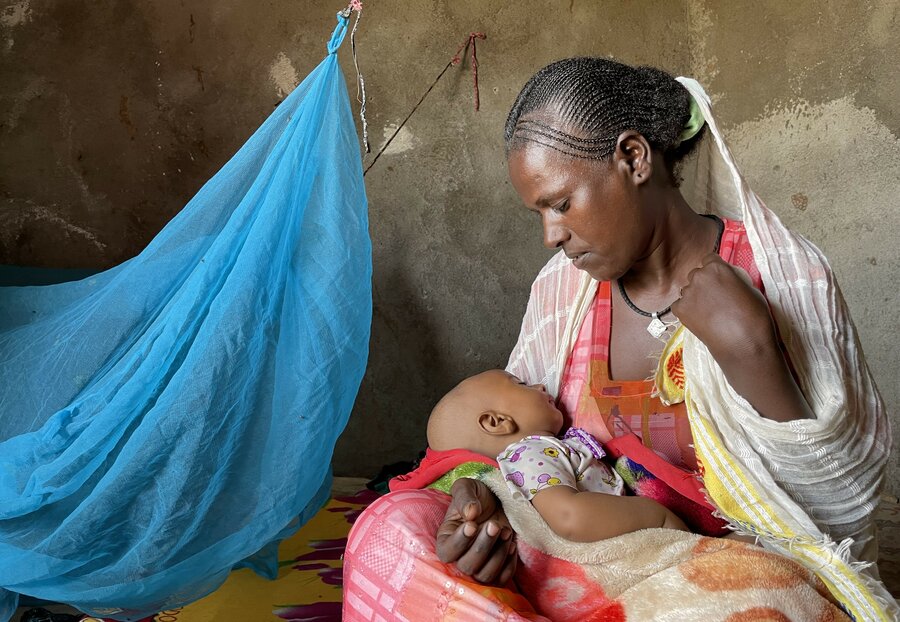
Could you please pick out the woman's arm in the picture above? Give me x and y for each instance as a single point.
(476, 535)
(732, 319)
(592, 516)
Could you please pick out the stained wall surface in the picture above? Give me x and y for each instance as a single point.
(113, 114)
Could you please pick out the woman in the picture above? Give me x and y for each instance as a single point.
(643, 283)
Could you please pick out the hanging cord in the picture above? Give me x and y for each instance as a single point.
(361, 83)
(356, 5)
(457, 58)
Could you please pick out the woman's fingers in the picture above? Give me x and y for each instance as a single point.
(471, 500)
(711, 258)
(454, 536)
(509, 569)
(452, 539)
(484, 553)
(720, 306)
(499, 560)
(475, 533)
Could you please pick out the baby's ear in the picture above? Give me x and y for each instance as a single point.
(497, 423)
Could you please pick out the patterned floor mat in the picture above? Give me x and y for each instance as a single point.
(308, 587)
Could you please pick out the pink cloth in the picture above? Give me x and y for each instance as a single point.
(391, 570)
(391, 573)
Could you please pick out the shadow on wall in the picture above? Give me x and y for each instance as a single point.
(406, 360)
(22, 275)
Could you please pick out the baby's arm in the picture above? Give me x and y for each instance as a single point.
(591, 516)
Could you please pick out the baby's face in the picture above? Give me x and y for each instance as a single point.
(533, 409)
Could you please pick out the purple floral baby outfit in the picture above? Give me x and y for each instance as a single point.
(538, 462)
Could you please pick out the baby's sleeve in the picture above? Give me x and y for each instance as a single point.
(536, 463)
(598, 476)
(591, 473)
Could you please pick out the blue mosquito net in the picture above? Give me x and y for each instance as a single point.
(175, 416)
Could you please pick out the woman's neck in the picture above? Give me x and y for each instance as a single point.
(679, 240)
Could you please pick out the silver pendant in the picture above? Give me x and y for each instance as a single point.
(656, 327)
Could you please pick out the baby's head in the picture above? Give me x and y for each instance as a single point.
(487, 412)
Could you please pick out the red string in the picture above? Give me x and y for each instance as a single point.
(457, 59)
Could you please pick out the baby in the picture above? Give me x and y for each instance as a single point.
(497, 415)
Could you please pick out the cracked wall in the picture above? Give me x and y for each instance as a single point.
(112, 115)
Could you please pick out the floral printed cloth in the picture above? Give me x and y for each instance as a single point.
(538, 462)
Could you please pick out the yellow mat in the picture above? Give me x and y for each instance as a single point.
(308, 587)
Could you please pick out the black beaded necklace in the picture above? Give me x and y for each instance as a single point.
(657, 327)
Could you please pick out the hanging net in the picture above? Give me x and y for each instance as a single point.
(175, 416)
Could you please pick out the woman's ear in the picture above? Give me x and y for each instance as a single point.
(634, 157)
(497, 423)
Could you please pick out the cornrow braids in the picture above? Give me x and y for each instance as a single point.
(592, 101)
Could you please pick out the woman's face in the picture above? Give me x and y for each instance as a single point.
(589, 208)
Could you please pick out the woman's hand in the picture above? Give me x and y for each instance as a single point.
(731, 317)
(476, 535)
(722, 308)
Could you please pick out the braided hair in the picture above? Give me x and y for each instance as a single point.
(592, 101)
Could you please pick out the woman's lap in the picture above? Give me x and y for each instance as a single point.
(391, 570)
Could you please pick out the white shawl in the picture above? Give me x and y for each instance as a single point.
(807, 488)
